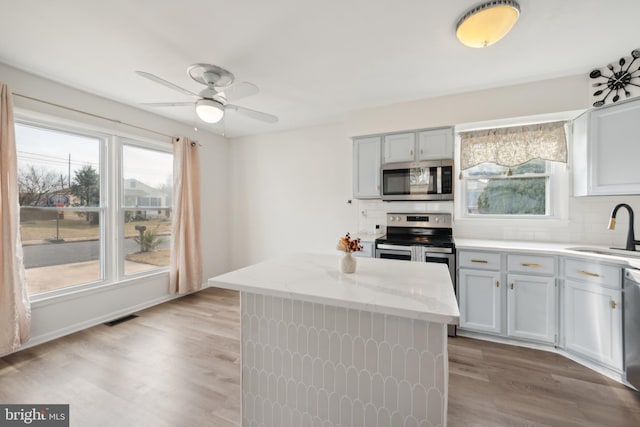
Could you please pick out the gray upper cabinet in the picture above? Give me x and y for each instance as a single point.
(399, 147)
(431, 144)
(435, 144)
(606, 150)
(366, 167)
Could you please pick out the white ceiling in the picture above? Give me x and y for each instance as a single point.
(314, 61)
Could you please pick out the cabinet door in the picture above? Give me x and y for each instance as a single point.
(366, 168)
(531, 307)
(609, 143)
(399, 147)
(593, 322)
(480, 300)
(435, 144)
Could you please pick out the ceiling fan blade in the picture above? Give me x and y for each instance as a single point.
(163, 82)
(168, 104)
(258, 115)
(239, 90)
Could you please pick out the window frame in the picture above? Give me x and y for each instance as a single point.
(111, 142)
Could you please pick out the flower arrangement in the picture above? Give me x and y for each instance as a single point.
(346, 244)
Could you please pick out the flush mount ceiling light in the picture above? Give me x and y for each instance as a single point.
(486, 23)
(209, 110)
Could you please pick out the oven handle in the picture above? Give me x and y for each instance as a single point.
(427, 250)
(394, 247)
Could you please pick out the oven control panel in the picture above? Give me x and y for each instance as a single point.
(431, 220)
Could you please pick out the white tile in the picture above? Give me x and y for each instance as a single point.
(405, 332)
(302, 398)
(419, 407)
(302, 339)
(412, 366)
(312, 342)
(259, 308)
(391, 394)
(404, 398)
(296, 367)
(353, 319)
(318, 316)
(346, 355)
(287, 365)
(358, 414)
(371, 356)
(341, 380)
(329, 375)
(296, 310)
(292, 338)
(427, 370)
(324, 348)
(377, 390)
(329, 318)
(435, 406)
(411, 422)
(323, 405)
(384, 360)
(345, 412)
(307, 314)
(318, 374)
(419, 335)
(259, 357)
(352, 383)
(370, 415)
(282, 391)
(287, 311)
(341, 320)
(312, 401)
(335, 348)
(334, 408)
(364, 387)
(292, 396)
(365, 324)
(384, 418)
(359, 360)
(268, 305)
(307, 370)
(267, 414)
(398, 358)
(391, 330)
(378, 326)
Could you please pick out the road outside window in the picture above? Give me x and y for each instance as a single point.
(61, 213)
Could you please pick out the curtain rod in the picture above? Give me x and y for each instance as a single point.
(92, 115)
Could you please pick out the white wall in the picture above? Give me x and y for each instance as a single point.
(61, 315)
(289, 192)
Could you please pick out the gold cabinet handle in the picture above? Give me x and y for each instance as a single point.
(613, 304)
(587, 273)
(421, 151)
(530, 265)
(497, 283)
(512, 286)
(411, 153)
(480, 261)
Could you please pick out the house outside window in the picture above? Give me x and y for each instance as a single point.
(68, 206)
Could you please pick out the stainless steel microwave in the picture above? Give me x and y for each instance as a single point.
(428, 180)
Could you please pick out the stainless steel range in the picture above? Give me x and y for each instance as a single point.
(420, 237)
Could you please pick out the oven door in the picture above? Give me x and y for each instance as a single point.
(400, 252)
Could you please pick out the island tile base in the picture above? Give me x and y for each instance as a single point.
(311, 364)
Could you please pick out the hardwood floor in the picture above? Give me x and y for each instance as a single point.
(178, 365)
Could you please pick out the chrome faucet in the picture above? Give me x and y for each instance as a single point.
(631, 242)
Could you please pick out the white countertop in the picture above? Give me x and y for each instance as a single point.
(565, 249)
(407, 289)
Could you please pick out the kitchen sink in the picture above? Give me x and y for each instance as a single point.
(605, 251)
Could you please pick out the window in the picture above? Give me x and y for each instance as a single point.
(514, 171)
(491, 189)
(67, 206)
(146, 207)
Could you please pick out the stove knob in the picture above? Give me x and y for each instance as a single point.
(397, 218)
(392, 218)
(437, 219)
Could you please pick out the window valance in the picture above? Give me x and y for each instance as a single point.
(512, 146)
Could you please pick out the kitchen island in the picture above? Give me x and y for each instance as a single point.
(324, 348)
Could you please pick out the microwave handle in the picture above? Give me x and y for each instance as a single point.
(439, 180)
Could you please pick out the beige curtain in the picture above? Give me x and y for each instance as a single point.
(186, 257)
(15, 310)
(513, 146)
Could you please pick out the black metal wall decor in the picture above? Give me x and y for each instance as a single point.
(623, 77)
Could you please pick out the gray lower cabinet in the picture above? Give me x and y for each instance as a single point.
(523, 306)
(481, 300)
(592, 312)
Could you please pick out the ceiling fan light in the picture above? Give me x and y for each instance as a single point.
(209, 111)
(486, 23)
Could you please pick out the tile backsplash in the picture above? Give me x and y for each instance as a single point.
(586, 223)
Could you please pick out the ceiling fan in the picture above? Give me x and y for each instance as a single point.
(212, 101)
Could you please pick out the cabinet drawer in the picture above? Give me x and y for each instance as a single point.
(535, 264)
(589, 271)
(479, 260)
